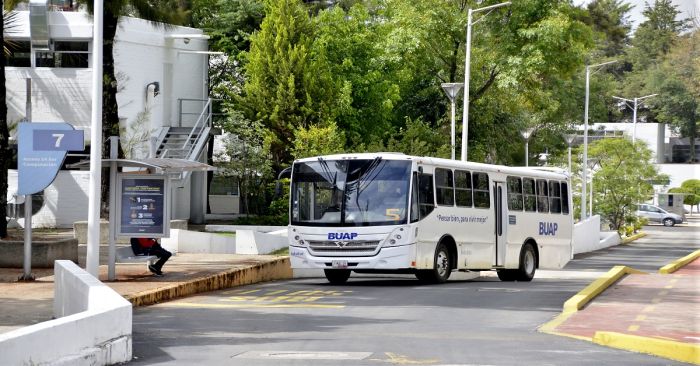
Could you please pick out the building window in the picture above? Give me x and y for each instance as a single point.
(223, 186)
(20, 53)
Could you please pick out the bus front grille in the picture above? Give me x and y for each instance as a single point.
(365, 247)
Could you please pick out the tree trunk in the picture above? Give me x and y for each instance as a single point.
(5, 153)
(110, 115)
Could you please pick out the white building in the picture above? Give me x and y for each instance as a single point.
(162, 94)
(670, 151)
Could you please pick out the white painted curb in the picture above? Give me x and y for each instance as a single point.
(93, 325)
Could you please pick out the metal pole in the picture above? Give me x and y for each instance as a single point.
(113, 154)
(634, 122)
(94, 192)
(527, 161)
(569, 159)
(27, 263)
(452, 104)
(584, 177)
(465, 112)
(591, 198)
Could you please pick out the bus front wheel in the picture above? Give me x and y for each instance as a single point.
(442, 267)
(337, 276)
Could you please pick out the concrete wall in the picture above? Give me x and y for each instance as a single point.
(255, 242)
(588, 237)
(65, 200)
(232, 228)
(80, 231)
(245, 242)
(146, 54)
(44, 252)
(93, 325)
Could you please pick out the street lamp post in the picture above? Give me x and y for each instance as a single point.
(570, 137)
(526, 133)
(591, 164)
(584, 178)
(635, 103)
(465, 111)
(451, 89)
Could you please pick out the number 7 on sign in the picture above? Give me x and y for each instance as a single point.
(59, 137)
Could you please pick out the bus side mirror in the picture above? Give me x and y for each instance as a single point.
(285, 173)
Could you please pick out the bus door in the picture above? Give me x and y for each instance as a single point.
(500, 205)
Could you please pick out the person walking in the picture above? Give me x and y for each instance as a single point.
(150, 246)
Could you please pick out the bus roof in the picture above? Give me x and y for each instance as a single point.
(543, 172)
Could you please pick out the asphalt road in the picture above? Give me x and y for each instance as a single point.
(382, 320)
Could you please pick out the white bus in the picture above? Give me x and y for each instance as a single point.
(394, 213)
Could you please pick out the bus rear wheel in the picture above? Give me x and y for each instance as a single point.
(442, 267)
(337, 276)
(528, 263)
(526, 269)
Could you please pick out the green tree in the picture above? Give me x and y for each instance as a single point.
(692, 188)
(417, 138)
(655, 37)
(230, 25)
(621, 179)
(317, 140)
(363, 88)
(285, 87)
(247, 157)
(610, 20)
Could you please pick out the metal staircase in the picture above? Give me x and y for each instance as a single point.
(186, 143)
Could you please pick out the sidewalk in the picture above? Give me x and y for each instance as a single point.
(651, 313)
(27, 303)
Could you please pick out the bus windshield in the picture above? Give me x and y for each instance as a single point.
(350, 192)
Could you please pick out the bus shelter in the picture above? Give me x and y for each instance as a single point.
(140, 197)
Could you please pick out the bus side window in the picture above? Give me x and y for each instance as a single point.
(542, 196)
(426, 196)
(515, 194)
(463, 188)
(415, 216)
(482, 198)
(529, 194)
(564, 198)
(444, 185)
(554, 197)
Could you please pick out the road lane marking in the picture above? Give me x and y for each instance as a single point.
(304, 355)
(663, 293)
(242, 306)
(640, 318)
(656, 300)
(397, 359)
(648, 309)
(633, 328)
(248, 292)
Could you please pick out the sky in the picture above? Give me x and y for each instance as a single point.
(688, 8)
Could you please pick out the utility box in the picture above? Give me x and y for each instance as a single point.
(672, 202)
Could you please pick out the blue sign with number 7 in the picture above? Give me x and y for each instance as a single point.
(42, 149)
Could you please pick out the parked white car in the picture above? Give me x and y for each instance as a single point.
(657, 214)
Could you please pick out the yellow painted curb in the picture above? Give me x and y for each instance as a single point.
(634, 237)
(679, 263)
(268, 271)
(583, 297)
(679, 351)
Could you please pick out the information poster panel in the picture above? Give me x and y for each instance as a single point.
(143, 210)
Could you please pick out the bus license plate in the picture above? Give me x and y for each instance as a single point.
(339, 264)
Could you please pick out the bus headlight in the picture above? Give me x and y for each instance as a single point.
(394, 238)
